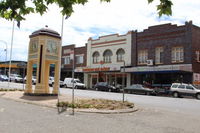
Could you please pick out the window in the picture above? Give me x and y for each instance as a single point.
(79, 59)
(120, 55)
(142, 56)
(159, 55)
(181, 86)
(198, 56)
(189, 87)
(95, 57)
(177, 54)
(67, 60)
(107, 56)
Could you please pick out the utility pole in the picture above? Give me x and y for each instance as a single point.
(123, 81)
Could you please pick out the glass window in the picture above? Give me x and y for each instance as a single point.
(79, 59)
(67, 60)
(174, 86)
(159, 55)
(142, 56)
(177, 54)
(181, 86)
(189, 87)
(120, 55)
(95, 57)
(107, 56)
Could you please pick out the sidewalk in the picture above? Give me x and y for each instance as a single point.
(51, 101)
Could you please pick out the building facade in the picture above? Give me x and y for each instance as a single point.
(105, 58)
(166, 53)
(70, 55)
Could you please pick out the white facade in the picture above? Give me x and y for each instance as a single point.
(112, 43)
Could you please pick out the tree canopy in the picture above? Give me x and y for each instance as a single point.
(18, 9)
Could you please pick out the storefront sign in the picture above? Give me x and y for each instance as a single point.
(182, 67)
(96, 69)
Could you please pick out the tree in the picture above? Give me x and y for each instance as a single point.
(18, 9)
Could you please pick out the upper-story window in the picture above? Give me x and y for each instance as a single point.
(177, 54)
(198, 56)
(67, 60)
(107, 56)
(95, 57)
(142, 56)
(159, 55)
(79, 59)
(120, 55)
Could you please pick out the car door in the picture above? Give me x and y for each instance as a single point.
(181, 89)
(190, 90)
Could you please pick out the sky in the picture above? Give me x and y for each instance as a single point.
(94, 19)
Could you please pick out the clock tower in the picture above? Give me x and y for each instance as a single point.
(44, 50)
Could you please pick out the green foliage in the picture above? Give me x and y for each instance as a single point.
(164, 7)
(18, 9)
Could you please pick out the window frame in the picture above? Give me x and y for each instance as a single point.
(142, 57)
(158, 57)
(67, 62)
(177, 54)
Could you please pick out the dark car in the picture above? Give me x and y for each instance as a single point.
(162, 89)
(104, 86)
(139, 89)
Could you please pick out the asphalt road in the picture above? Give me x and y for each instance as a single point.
(16, 117)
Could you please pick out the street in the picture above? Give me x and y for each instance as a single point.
(156, 115)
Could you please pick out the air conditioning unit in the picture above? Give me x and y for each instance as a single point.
(149, 62)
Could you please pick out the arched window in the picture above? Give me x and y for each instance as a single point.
(120, 54)
(107, 56)
(95, 57)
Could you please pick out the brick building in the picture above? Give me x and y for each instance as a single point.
(70, 52)
(166, 53)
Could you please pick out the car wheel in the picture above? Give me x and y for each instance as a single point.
(175, 94)
(65, 86)
(109, 90)
(76, 87)
(198, 96)
(52, 84)
(96, 89)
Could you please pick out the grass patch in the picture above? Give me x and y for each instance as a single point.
(97, 104)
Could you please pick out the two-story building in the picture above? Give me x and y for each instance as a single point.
(105, 58)
(73, 58)
(164, 54)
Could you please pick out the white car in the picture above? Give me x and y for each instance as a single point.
(182, 89)
(68, 82)
(16, 78)
(33, 79)
(51, 81)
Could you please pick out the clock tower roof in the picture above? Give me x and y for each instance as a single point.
(45, 31)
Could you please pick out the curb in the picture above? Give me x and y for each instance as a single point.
(120, 111)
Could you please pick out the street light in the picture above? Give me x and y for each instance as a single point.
(123, 80)
(6, 53)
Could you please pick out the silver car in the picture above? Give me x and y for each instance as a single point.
(182, 89)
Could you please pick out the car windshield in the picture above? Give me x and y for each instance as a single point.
(77, 81)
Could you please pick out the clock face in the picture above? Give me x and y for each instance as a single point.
(34, 46)
(52, 47)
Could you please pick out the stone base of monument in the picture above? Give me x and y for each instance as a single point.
(40, 94)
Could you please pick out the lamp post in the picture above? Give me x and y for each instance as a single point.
(6, 53)
(123, 80)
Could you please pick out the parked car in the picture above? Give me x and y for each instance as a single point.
(16, 78)
(33, 80)
(139, 89)
(68, 82)
(161, 89)
(104, 86)
(51, 82)
(182, 89)
(3, 78)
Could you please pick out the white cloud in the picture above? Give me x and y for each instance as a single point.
(95, 19)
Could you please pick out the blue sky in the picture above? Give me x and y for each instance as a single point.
(95, 19)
